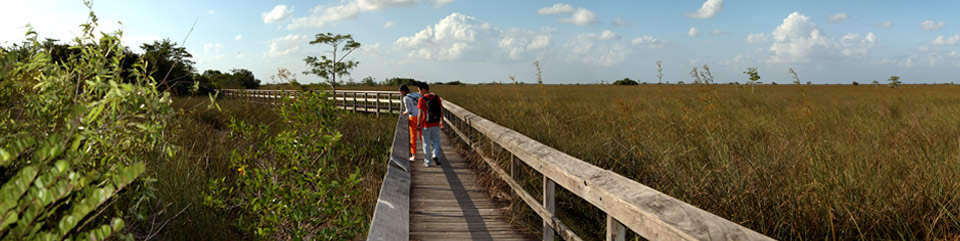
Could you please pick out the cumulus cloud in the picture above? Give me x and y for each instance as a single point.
(620, 23)
(798, 40)
(321, 16)
(718, 32)
(945, 41)
(930, 25)
(709, 9)
(608, 35)
(238, 37)
(886, 24)
(649, 42)
(559, 8)
(279, 13)
(447, 40)
(459, 36)
(284, 46)
(757, 38)
(581, 17)
(519, 42)
(838, 17)
(693, 32)
(388, 24)
(588, 48)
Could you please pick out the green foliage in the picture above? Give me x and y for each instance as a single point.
(625, 81)
(236, 79)
(170, 65)
(77, 126)
(753, 76)
(287, 185)
(333, 66)
(402, 81)
(894, 81)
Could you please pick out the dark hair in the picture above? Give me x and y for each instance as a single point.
(404, 88)
(424, 86)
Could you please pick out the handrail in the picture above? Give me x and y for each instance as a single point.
(391, 217)
(352, 100)
(648, 212)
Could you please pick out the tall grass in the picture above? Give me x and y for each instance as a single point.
(793, 162)
(202, 133)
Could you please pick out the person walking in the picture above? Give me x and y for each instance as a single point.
(431, 120)
(409, 105)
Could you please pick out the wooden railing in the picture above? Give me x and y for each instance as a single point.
(352, 100)
(391, 217)
(627, 203)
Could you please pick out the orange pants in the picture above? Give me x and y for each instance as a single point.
(414, 134)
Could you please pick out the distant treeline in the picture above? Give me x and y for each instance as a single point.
(170, 65)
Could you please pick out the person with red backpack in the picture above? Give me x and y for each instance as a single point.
(431, 121)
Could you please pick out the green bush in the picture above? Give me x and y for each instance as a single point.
(288, 185)
(74, 135)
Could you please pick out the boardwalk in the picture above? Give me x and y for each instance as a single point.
(447, 204)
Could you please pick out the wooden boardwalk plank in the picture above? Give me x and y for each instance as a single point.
(447, 204)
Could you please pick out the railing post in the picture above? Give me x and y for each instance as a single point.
(615, 230)
(549, 199)
(514, 167)
(354, 101)
(378, 104)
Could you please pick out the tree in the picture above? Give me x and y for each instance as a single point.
(894, 81)
(245, 78)
(333, 66)
(169, 65)
(625, 81)
(754, 77)
(369, 81)
(659, 72)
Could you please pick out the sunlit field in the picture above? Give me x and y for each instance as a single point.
(792, 162)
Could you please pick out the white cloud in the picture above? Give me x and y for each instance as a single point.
(559, 8)
(649, 42)
(620, 23)
(441, 3)
(279, 13)
(886, 24)
(945, 41)
(321, 16)
(388, 24)
(709, 9)
(798, 40)
(930, 25)
(718, 32)
(212, 12)
(458, 37)
(838, 17)
(853, 45)
(608, 35)
(447, 40)
(238, 37)
(693, 32)
(581, 17)
(519, 42)
(587, 48)
(286, 45)
(757, 38)
(212, 47)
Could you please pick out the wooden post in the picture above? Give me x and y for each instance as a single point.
(378, 104)
(514, 167)
(615, 230)
(549, 199)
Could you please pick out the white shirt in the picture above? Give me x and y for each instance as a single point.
(409, 104)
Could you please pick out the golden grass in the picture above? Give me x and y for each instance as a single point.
(807, 162)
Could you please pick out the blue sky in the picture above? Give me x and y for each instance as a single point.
(575, 41)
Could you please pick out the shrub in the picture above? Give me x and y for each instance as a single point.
(625, 81)
(76, 133)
